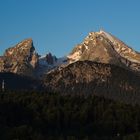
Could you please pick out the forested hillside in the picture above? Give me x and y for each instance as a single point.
(52, 116)
(87, 77)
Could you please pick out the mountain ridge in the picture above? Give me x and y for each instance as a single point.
(100, 47)
(90, 62)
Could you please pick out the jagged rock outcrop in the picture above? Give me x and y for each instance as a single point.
(20, 59)
(105, 48)
(50, 59)
(49, 62)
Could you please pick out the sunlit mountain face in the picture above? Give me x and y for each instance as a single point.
(101, 64)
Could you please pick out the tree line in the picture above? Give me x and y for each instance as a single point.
(53, 116)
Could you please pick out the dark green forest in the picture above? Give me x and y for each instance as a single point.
(53, 116)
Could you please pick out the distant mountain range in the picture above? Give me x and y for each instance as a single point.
(101, 64)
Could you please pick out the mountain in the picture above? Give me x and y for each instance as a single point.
(21, 59)
(99, 47)
(105, 48)
(88, 77)
(68, 100)
(101, 64)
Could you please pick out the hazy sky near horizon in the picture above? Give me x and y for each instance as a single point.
(58, 25)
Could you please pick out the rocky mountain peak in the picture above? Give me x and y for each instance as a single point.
(95, 47)
(20, 59)
(22, 48)
(105, 48)
(50, 59)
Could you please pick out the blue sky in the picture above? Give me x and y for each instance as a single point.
(58, 25)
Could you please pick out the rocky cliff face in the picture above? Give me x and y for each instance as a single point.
(87, 77)
(20, 59)
(105, 48)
